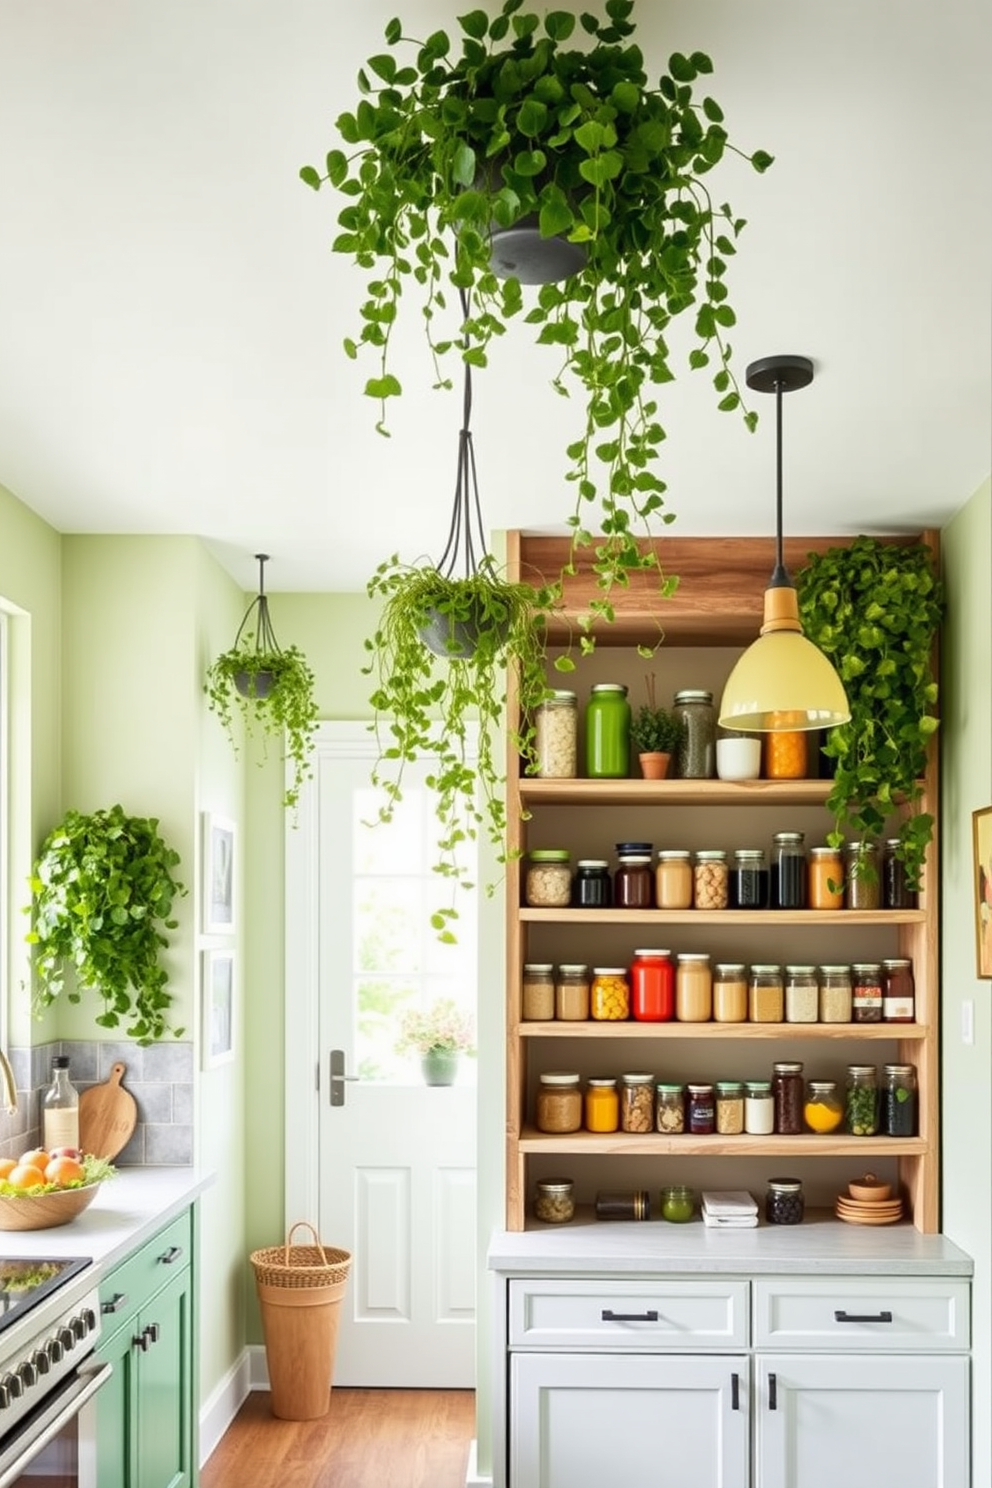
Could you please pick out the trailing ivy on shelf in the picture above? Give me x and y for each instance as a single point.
(102, 892)
(875, 609)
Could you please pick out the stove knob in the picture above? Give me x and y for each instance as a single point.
(89, 1318)
(14, 1385)
(79, 1329)
(4, 1396)
(54, 1350)
(67, 1338)
(28, 1374)
(41, 1361)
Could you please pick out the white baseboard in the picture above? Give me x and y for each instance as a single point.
(258, 1367)
(226, 1399)
(473, 1478)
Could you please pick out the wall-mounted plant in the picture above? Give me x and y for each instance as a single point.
(271, 689)
(875, 608)
(101, 894)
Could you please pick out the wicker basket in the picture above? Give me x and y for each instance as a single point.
(300, 1289)
(292, 1265)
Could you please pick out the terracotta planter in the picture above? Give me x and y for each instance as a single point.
(654, 766)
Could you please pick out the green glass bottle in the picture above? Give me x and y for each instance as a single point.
(608, 732)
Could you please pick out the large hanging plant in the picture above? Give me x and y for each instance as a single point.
(448, 146)
(875, 608)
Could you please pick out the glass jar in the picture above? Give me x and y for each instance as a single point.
(693, 988)
(866, 992)
(669, 1109)
(786, 755)
(730, 992)
(609, 995)
(784, 1203)
(861, 887)
(554, 1200)
(823, 1111)
(898, 991)
(678, 1203)
(559, 1103)
(787, 879)
(593, 886)
(700, 1110)
(633, 882)
(787, 1093)
(861, 1100)
(759, 1108)
(802, 995)
(729, 1108)
(710, 880)
(836, 1003)
(825, 878)
(896, 893)
(602, 1104)
(696, 757)
(572, 994)
(538, 992)
(548, 884)
(673, 879)
(608, 732)
(634, 1205)
(766, 995)
(637, 1103)
(652, 986)
(556, 736)
(899, 1100)
(749, 879)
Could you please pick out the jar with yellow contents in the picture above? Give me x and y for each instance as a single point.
(786, 755)
(609, 995)
(602, 1104)
(823, 1110)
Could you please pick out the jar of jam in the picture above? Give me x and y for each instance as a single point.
(836, 998)
(787, 880)
(787, 1093)
(861, 887)
(861, 1100)
(759, 1108)
(693, 988)
(634, 1205)
(710, 880)
(825, 878)
(696, 758)
(866, 990)
(898, 991)
(677, 1203)
(609, 995)
(701, 1110)
(554, 1200)
(556, 736)
(729, 1108)
(669, 1109)
(802, 995)
(602, 1104)
(652, 986)
(559, 1103)
(766, 995)
(637, 1103)
(673, 879)
(548, 884)
(608, 732)
(896, 893)
(784, 1204)
(633, 882)
(786, 755)
(749, 879)
(572, 994)
(538, 992)
(593, 886)
(823, 1111)
(730, 992)
(899, 1100)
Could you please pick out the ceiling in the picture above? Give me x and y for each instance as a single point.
(171, 316)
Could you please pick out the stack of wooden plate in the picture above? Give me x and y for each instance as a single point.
(869, 1202)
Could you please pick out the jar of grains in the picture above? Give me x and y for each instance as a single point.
(538, 1001)
(786, 755)
(670, 1109)
(823, 1111)
(787, 879)
(608, 732)
(696, 758)
(730, 992)
(861, 1100)
(592, 887)
(673, 879)
(787, 1093)
(899, 1100)
(633, 882)
(637, 1103)
(759, 1108)
(835, 994)
(729, 1108)
(861, 887)
(609, 995)
(749, 879)
(693, 988)
(559, 1103)
(825, 878)
(700, 1110)
(602, 1105)
(784, 1201)
(572, 994)
(710, 880)
(548, 884)
(556, 736)
(866, 992)
(652, 986)
(802, 995)
(766, 995)
(896, 893)
(898, 991)
(554, 1200)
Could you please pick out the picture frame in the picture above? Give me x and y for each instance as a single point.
(981, 823)
(219, 841)
(217, 999)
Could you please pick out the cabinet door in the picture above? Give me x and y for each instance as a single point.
(584, 1421)
(164, 1403)
(114, 1413)
(861, 1421)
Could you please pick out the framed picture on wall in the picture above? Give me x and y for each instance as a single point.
(982, 831)
(217, 993)
(218, 875)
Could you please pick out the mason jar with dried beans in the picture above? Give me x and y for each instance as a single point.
(556, 736)
(710, 879)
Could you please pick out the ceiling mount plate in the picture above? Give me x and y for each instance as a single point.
(785, 372)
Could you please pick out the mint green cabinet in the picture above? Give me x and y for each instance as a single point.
(145, 1414)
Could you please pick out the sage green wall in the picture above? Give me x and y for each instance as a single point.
(966, 759)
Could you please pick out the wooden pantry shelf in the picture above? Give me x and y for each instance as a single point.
(849, 1032)
(741, 918)
(683, 1144)
(674, 792)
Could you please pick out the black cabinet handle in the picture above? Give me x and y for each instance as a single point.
(152, 1332)
(171, 1255)
(629, 1317)
(862, 1317)
(735, 1391)
(773, 1392)
(141, 1341)
(117, 1301)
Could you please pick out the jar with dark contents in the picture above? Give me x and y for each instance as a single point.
(701, 1110)
(784, 1203)
(652, 986)
(592, 887)
(866, 992)
(898, 991)
(899, 1100)
(637, 1103)
(696, 757)
(787, 1092)
(632, 1205)
(554, 1200)
(896, 893)
(749, 879)
(861, 886)
(787, 879)
(633, 882)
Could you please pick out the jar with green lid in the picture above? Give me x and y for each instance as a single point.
(554, 1200)
(538, 1002)
(861, 1100)
(670, 1109)
(548, 882)
(559, 1102)
(802, 995)
(759, 1108)
(572, 993)
(861, 883)
(766, 995)
(608, 732)
(730, 992)
(729, 1108)
(836, 998)
(556, 736)
(696, 758)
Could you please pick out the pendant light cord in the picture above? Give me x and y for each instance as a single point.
(780, 577)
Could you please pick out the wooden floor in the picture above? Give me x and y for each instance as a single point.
(368, 1439)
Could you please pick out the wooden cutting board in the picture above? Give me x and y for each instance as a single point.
(107, 1116)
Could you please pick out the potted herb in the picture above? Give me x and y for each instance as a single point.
(102, 892)
(440, 1036)
(656, 735)
(514, 130)
(875, 608)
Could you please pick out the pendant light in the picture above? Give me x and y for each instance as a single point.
(782, 682)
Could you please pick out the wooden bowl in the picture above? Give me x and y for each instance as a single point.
(45, 1211)
(869, 1187)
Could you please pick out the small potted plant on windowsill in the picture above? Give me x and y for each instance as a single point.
(440, 1036)
(656, 735)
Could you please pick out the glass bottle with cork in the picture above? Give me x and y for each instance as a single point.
(60, 1108)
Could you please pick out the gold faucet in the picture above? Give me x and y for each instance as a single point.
(7, 1084)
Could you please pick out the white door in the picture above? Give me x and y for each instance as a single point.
(394, 1161)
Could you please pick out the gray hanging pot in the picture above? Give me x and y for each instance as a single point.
(255, 684)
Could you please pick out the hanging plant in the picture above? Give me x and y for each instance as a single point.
(452, 150)
(874, 609)
(101, 893)
(271, 689)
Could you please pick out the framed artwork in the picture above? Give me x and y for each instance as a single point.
(982, 831)
(217, 995)
(218, 875)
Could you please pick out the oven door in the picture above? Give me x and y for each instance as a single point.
(55, 1447)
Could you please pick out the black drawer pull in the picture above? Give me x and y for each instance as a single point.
(629, 1317)
(773, 1392)
(117, 1301)
(171, 1255)
(863, 1317)
(735, 1391)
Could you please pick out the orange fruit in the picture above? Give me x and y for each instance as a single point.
(25, 1176)
(7, 1165)
(36, 1158)
(63, 1170)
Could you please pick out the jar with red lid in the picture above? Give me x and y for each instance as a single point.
(652, 986)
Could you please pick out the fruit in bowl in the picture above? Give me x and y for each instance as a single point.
(40, 1189)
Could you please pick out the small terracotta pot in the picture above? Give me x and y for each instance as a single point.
(654, 766)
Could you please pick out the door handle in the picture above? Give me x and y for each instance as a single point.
(862, 1317)
(338, 1077)
(735, 1391)
(773, 1392)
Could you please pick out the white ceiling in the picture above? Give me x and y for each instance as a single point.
(171, 316)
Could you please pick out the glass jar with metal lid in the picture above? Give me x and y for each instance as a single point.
(835, 994)
(749, 879)
(608, 732)
(729, 1108)
(730, 992)
(787, 879)
(766, 994)
(602, 1104)
(554, 1200)
(759, 1108)
(693, 988)
(670, 1109)
(825, 878)
(823, 1110)
(710, 879)
(633, 881)
(538, 1001)
(696, 758)
(609, 995)
(652, 986)
(572, 993)
(866, 992)
(556, 736)
(861, 1100)
(559, 1102)
(899, 1100)
(784, 1204)
(802, 995)
(787, 1093)
(898, 991)
(548, 884)
(593, 886)
(861, 886)
(673, 878)
(637, 1103)
(896, 893)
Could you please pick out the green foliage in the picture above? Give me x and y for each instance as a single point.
(875, 609)
(274, 698)
(655, 730)
(449, 141)
(101, 889)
